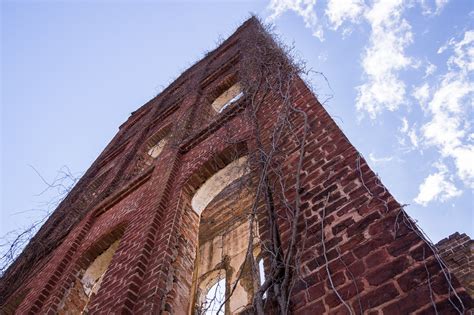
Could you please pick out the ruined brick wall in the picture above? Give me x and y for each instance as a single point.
(359, 250)
(373, 253)
(457, 251)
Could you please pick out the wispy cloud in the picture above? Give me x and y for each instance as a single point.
(409, 132)
(304, 8)
(430, 69)
(339, 11)
(428, 8)
(438, 186)
(380, 160)
(422, 94)
(450, 110)
(384, 58)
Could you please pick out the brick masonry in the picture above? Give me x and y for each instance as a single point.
(457, 251)
(361, 251)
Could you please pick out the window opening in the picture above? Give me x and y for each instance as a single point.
(214, 185)
(87, 283)
(233, 100)
(261, 272)
(222, 200)
(94, 274)
(214, 299)
(230, 96)
(155, 150)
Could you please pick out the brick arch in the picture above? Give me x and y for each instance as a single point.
(71, 288)
(229, 201)
(219, 181)
(214, 85)
(114, 234)
(213, 165)
(195, 172)
(156, 136)
(223, 85)
(143, 159)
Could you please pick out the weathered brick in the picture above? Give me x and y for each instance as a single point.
(377, 258)
(314, 308)
(361, 225)
(401, 245)
(418, 276)
(377, 297)
(387, 271)
(342, 225)
(409, 303)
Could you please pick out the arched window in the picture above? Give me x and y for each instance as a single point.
(222, 195)
(213, 303)
(88, 282)
(156, 149)
(94, 274)
(157, 142)
(230, 96)
(218, 182)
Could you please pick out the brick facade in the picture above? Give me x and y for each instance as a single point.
(357, 248)
(457, 251)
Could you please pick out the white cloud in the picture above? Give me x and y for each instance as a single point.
(464, 160)
(413, 137)
(443, 48)
(409, 132)
(450, 110)
(338, 11)
(422, 93)
(430, 69)
(304, 8)
(404, 127)
(446, 127)
(323, 56)
(384, 58)
(380, 160)
(437, 187)
(427, 9)
(446, 100)
(458, 47)
(440, 5)
(463, 53)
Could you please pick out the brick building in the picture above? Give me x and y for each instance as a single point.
(457, 251)
(232, 191)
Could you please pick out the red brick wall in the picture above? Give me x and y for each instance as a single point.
(358, 242)
(375, 255)
(457, 251)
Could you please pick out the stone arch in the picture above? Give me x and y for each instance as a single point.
(89, 271)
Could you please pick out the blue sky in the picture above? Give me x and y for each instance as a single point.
(400, 74)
